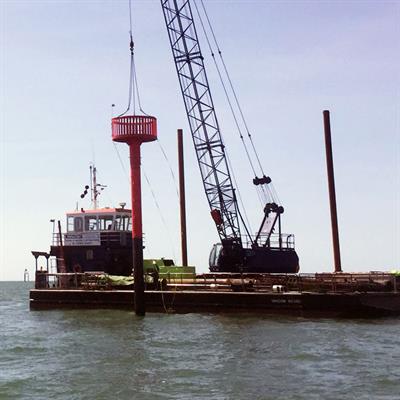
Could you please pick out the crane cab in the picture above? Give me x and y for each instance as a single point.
(256, 259)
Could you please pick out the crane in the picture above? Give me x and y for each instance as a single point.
(236, 252)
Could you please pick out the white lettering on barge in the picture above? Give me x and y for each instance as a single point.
(286, 301)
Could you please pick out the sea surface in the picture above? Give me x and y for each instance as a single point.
(103, 354)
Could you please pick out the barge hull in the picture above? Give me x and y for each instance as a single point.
(297, 303)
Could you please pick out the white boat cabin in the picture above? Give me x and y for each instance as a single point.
(84, 228)
(99, 220)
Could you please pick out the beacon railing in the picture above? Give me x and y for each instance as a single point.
(132, 126)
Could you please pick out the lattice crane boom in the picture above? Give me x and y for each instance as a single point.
(202, 118)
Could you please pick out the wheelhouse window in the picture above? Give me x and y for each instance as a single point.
(78, 224)
(74, 223)
(105, 222)
(70, 224)
(91, 223)
(123, 223)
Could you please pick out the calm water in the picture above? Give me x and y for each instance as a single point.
(114, 355)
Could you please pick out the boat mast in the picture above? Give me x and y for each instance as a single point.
(93, 186)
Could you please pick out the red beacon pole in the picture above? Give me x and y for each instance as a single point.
(135, 130)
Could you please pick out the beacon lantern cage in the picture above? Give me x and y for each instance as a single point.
(134, 128)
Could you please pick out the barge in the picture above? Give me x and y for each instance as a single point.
(328, 295)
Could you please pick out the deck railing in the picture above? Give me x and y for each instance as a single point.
(284, 241)
(320, 282)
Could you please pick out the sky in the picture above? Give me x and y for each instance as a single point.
(63, 63)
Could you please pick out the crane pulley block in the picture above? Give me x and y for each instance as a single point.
(264, 180)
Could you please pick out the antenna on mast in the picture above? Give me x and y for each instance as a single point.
(95, 188)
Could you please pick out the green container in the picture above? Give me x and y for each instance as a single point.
(167, 269)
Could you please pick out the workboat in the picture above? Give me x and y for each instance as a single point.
(97, 240)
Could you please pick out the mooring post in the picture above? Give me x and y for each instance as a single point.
(182, 200)
(332, 192)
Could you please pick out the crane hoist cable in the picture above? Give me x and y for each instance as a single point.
(231, 84)
(265, 194)
(245, 219)
(269, 190)
(133, 80)
(224, 88)
(137, 89)
(230, 105)
(132, 74)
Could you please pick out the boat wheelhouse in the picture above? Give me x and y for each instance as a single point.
(95, 240)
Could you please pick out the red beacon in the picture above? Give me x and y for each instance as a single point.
(135, 130)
